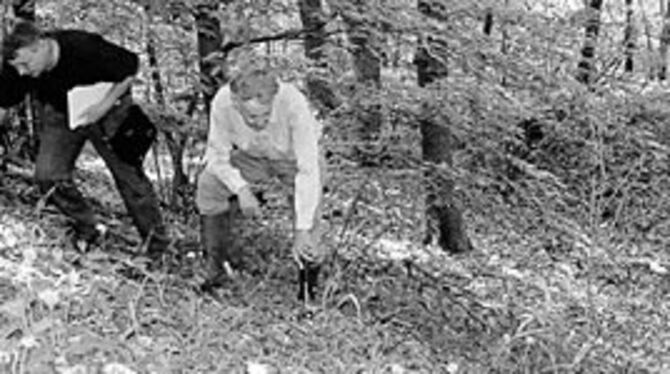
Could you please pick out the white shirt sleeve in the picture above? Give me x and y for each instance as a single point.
(219, 146)
(305, 132)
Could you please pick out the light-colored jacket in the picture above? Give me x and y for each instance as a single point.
(292, 134)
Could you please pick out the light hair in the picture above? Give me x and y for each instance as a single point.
(254, 78)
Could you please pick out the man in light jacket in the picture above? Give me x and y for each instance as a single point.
(260, 128)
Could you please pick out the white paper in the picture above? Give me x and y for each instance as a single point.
(81, 98)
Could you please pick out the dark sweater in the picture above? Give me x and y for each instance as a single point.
(85, 58)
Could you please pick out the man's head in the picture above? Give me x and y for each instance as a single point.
(254, 89)
(27, 50)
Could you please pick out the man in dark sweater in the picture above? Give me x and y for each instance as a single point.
(50, 64)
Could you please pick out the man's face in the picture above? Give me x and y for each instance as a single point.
(31, 60)
(256, 113)
(255, 101)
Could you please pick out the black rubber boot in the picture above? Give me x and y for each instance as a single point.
(216, 236)
(308, 278)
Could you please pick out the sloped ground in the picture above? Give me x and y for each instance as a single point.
(62, 313)
(515, 305)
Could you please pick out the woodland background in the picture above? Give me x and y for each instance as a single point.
(498, 198)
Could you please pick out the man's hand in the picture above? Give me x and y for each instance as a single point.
(304, 248)
(249, 204)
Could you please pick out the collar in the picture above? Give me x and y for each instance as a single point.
(54, 51)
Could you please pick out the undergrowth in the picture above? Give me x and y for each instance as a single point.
(569, 274)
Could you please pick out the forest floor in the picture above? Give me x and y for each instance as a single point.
(393, 306)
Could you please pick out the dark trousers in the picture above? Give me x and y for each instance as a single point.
(59, 148)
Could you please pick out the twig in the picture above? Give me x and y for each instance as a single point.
(41, 203)
(354, 300)
(285, 35)
(132, 308)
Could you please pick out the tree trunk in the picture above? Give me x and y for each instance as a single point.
(25, 113)
(664, 42)
(5, 139)
(209, 43)
(367, 67)
(176, 142)
(444, 220)
(505, 40)
(318, 88)
(629, 38)
(586, 68)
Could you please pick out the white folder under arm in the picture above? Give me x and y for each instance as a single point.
(81, 98)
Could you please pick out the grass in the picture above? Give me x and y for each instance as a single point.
(65, 314)
(515, 305)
